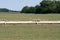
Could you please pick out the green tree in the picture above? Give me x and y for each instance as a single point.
(4, 10)
(27, 9)
(46, 6)
(24, 9)
(51, 6)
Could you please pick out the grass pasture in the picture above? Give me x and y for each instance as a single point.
(20, 16)
(30, 32)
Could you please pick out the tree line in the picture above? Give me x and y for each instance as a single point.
(6, 10)
(45, 6)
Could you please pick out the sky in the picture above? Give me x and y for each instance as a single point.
(18, 4)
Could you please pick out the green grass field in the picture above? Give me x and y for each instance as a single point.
(19, 16)
(30, 32)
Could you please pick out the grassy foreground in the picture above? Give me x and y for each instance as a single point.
(30, 32)
(19, 16)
